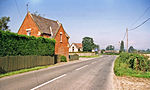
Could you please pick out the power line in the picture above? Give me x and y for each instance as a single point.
(139, 25)
(18, 8)
(141, 16)
(124, 36)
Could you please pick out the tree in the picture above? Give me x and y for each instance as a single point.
(102, 51)
(110, 47)
(131, 49)
(122, 47)
(3, 23)
(88, 44)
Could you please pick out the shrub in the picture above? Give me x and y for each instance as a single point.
(63, 59)
(12, 44)
(135, 61)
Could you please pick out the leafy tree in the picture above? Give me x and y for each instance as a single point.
(102, 51)
(110, 47)
(96, 47)
(148, 50)
(122, 47)
(131, 49)
(3, 23)
(88, 44)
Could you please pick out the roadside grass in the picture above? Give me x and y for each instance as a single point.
(90, 56)
(122, 69)
(24, 70)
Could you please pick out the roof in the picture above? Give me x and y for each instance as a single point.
(78, 45)
(46, 26)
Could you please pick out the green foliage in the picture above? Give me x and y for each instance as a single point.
(110, 53)
(12, 44)
(122, 47)
(3, 23)
(88, 44)
(144, 51)
(102, 51)
(131, 49)
(131, 64)
(63, 59)
(110, 47)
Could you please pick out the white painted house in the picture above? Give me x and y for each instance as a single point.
(76, 47)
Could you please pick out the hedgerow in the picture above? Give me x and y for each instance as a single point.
(12, 44)
(132, 64)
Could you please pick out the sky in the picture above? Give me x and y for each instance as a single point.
(103, 20)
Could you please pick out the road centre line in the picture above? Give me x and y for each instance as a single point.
(48, 82)
(82, 67)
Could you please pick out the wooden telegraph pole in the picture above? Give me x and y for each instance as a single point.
(127, 39)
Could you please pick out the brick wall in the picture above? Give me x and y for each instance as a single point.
(62, 48)
(28, 23)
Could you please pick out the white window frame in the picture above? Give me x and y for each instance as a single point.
(28, 31)
(61, 37)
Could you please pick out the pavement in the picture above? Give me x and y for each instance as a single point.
(91, 74)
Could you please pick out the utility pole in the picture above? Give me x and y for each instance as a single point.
(127, 39)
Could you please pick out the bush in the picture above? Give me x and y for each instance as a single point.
(63, 59)
(135, 61)
(131, 64)
(12, 44)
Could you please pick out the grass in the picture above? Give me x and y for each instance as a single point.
(122, 69)
(90, 56)
(23, 70)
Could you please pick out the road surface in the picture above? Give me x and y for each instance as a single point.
(95, 74)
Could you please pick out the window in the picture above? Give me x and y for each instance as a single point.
(60, 36)
(72, 49)
(28, 31)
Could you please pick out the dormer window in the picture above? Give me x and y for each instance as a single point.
(60, 36)
(28, 31)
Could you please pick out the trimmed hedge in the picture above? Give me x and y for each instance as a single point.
(12, 44)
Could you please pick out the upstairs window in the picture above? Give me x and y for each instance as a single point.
(28, 31)
(60, 36)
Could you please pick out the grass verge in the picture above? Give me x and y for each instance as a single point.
(90, 56)
(23, 70)
(122, 69)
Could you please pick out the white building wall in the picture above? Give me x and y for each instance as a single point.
(71, 48)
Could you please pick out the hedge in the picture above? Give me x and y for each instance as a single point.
(12, 44)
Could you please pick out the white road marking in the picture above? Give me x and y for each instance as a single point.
(81, 67)
(48, 82)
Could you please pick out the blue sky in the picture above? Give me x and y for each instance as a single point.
(103, 20)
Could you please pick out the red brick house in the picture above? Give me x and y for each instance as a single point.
(37, 26)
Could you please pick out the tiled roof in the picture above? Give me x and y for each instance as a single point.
(78, 45)
(46, 25)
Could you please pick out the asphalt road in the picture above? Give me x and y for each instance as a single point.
(95, 74)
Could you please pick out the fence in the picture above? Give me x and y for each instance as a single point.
(12, 63)
(73, 57)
